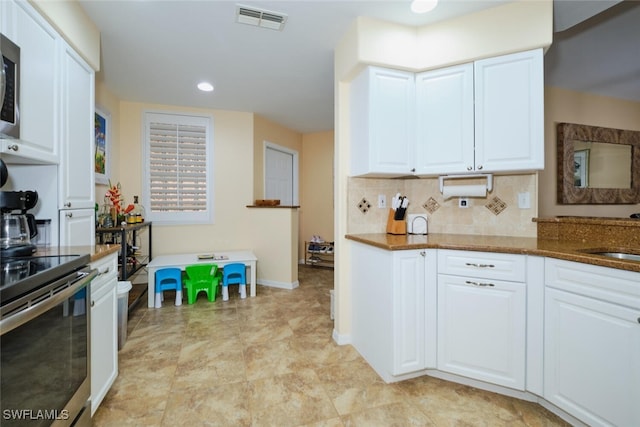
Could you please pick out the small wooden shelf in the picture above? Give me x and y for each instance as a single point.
(319, 254)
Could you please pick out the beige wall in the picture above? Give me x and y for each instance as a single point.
(523, 25)
(268, 131)
(564, 106)
(232, 180)
(271, 233)
(316, 188)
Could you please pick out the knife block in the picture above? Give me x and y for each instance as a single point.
(395, 226)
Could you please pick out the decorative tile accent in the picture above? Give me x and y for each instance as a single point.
(364, 206)
(431, 205)
(496, 205)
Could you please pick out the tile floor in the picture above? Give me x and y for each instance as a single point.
(271, 361)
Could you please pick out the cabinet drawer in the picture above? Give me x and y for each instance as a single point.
(103, 284)
(106, 264)
(606, 284)
(485, 265)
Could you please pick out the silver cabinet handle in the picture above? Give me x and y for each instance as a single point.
(93, 303)
(413, 169)
(469, 168)
(479, 167)
(13, 147)
(67, 205)
(474, 264)
(469, 282)
(69, 215)
(423, 253)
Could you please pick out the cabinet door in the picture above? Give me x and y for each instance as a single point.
(104, 336)
(509, 112)
(444, 120)
(77, 187)
(408, 311)
(592, 359)
(481, 329)
(77, 227)
(382, 135)
(39, 81)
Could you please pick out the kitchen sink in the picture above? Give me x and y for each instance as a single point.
(617, 255)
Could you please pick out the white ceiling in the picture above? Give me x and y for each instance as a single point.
(155, 51)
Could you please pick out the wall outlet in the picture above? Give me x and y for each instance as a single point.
(463, 202)
(382, 201)
(524, 200)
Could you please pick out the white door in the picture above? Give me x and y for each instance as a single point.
(408, 311)
(481, 329)
(591, 367)
(280, 176)
(77, 227)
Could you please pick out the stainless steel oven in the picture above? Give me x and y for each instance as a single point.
(45, 341)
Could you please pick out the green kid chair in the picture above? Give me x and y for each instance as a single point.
(202, 277)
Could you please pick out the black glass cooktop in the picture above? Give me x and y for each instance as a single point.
(21, 275)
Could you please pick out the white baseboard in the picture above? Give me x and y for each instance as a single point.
(275, 284)
(341, 339)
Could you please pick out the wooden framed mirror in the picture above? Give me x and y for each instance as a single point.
(598, 165)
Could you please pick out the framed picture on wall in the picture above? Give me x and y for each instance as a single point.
(102, 145)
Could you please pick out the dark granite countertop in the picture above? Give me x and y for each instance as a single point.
(95, 252)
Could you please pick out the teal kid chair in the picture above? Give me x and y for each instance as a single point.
(202, 277)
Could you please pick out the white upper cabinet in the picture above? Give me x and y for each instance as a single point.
(444, 120)
(38, 80)
(77, 227)
(77, 187)
(485, 116)
(382, 126)
(509, 113)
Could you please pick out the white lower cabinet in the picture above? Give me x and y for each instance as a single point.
(104, 329)
(564, 331)
(394, 317)
(592, 342)
(481, 320)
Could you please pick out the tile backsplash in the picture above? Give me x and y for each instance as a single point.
(496, 214)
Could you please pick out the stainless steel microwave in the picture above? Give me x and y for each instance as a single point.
(9, 89)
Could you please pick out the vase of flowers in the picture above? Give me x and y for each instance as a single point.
(114, 196)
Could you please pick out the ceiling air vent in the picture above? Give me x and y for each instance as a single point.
(260, 17)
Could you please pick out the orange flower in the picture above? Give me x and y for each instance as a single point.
(115, 196)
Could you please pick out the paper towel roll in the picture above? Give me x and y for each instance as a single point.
(464, 191)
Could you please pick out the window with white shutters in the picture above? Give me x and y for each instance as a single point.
(178, 173)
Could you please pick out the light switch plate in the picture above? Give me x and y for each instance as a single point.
(382, 201)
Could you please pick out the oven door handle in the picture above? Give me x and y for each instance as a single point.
(13, 321)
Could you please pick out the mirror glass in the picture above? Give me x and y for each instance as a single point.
(598, 165)
(601, 165)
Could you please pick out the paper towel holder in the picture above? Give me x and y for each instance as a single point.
(479, 175)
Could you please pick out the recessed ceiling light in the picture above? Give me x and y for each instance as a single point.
(423, 6)
(205, 86)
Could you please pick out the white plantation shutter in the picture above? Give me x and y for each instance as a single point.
(178, 179)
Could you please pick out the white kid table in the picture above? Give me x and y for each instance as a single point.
(182, 260)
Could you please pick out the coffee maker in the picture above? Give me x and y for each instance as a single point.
(17, 227)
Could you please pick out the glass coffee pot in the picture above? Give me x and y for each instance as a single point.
(17, 228)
